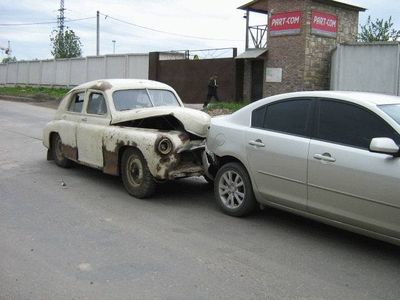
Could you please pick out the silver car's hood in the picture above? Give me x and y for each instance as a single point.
(194, 121)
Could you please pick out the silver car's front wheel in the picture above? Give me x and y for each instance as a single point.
(233, 190)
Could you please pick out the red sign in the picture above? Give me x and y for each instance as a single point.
(285, 23)
(324, 24)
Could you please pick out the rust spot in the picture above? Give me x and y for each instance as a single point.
(70, 152)
(110, 162)
(184, 137)
(101, 86)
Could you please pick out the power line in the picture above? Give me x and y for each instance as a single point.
(42, 23)
(167, 32)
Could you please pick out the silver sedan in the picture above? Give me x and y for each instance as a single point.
(330, 156)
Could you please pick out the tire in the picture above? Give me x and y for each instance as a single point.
(56, 148)
(233, 190)
(135, 173)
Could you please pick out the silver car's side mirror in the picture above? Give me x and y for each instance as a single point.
(385, 146)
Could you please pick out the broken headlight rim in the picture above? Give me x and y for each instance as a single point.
(164, 146)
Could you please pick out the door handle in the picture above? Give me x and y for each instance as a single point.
(84, 120)
(325, 157)
(257, 143)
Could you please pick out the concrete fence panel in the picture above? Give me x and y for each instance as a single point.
(3, 73)
(63, 72)
(138, 66)
(12, 73)
(71, 72)
(95, 68)
(115, 66)
(48, 72)
(35, 72)
(78, 71)
(367, 68)
(23, 72)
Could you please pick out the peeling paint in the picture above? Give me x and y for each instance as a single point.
(70, 152)
(101, 86)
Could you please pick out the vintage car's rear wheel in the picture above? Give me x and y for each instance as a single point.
(135, 173)
(233, 191)
(56, 148)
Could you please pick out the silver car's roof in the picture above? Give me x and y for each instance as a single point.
(356, 97)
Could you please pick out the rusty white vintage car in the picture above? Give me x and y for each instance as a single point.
(138, 129)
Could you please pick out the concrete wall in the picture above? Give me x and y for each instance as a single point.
(367, 67)
(71, 72)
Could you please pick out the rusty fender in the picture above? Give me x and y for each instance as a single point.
(146, 140)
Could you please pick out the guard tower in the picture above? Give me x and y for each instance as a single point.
(294, 51)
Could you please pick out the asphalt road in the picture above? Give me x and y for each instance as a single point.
(91, 240)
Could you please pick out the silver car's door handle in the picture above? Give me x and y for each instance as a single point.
(257, 143)
(325, 157)
(84, 119)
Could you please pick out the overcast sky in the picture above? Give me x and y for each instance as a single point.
(212, 23)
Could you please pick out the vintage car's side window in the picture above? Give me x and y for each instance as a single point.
(76, 103)
(290, 116)
(351, 125)
(97, 104)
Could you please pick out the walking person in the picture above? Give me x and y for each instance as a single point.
(212, 90)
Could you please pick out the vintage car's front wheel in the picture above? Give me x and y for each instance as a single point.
(135, 173)
(58, 156)
(233, 191)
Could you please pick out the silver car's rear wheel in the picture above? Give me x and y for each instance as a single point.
(233, 190)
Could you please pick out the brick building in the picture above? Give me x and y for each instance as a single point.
(300, 37)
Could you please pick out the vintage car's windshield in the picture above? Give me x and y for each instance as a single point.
(393, 110)
(140, 98)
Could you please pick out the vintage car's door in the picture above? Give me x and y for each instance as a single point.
(91, 127)
(68, 123)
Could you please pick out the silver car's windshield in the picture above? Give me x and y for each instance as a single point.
(393, 110)
(140, 98)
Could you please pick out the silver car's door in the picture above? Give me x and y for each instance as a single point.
(277, 149)
(347, 182)
(91, 129)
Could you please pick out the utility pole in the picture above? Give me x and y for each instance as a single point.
(98, 34)
(247, 17)
(61, 17)
(113, 46)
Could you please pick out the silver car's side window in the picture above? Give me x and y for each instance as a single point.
(97, 104)
(289, 116)
(76, 103)
(351, 125)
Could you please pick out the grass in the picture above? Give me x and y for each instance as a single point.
(231, 106)
(38, 93)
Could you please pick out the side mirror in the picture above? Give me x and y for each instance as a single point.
(384, 146)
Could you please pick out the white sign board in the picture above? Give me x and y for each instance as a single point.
(273, 75)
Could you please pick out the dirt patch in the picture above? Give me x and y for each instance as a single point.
(219, 111)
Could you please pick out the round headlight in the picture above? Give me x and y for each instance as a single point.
(164, 146)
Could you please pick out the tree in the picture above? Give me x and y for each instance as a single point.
(65, 44)
(9, 59)
(378, 31)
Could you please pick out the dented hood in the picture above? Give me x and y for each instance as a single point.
(194, 121)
